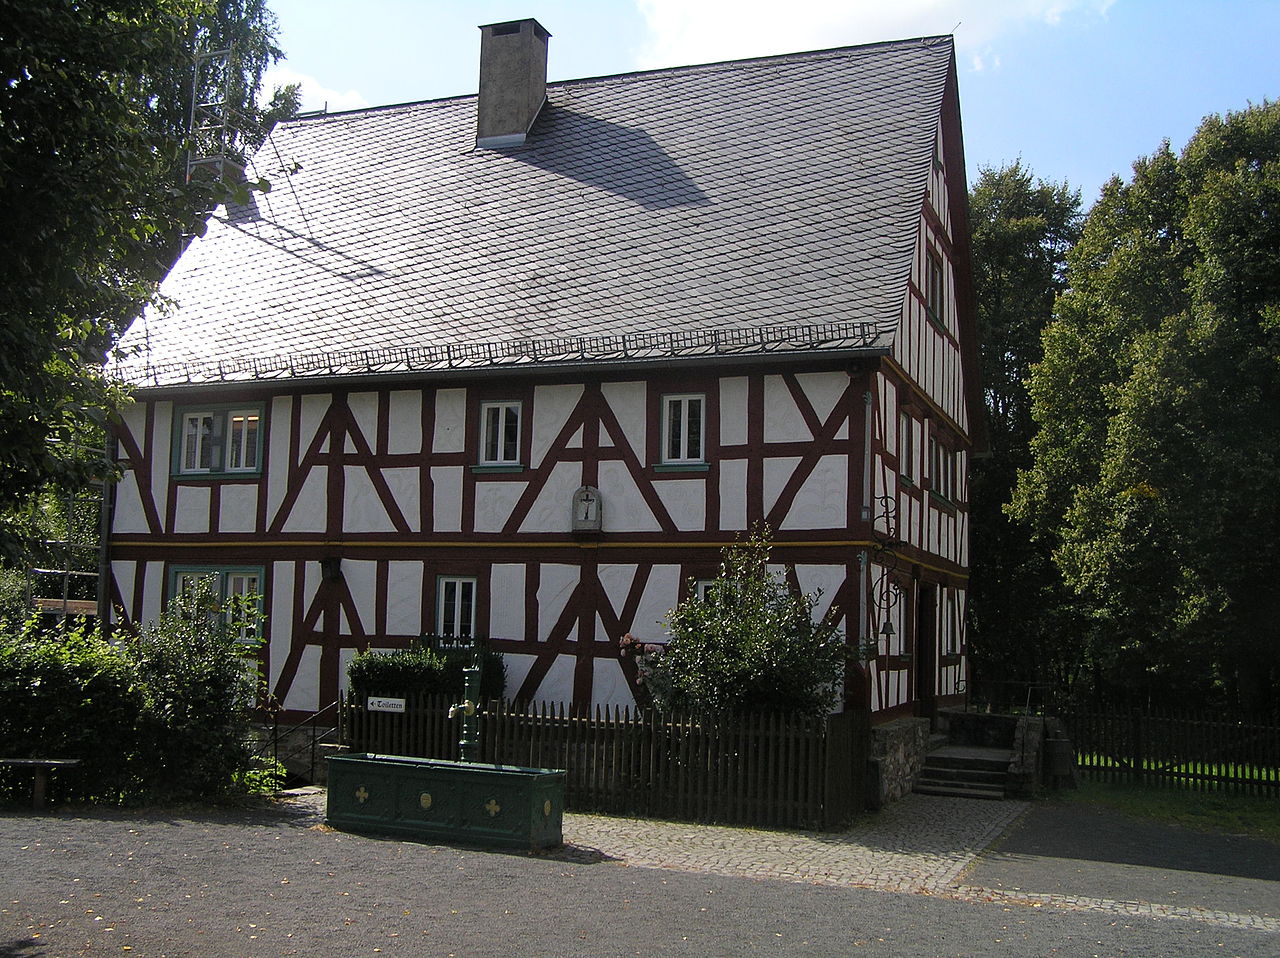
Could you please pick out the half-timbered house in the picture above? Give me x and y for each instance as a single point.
(520, 364)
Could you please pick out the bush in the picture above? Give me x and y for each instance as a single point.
(163, 716)
(420, 670)
(199, 689)
(750, 645)
(67, 693)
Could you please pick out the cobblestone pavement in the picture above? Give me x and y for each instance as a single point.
(921, 844)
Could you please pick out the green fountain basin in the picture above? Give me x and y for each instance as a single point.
(468, 803)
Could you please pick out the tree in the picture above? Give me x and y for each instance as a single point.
(1158, 401)
(1022, 229)
(749, 644)
(93, 195)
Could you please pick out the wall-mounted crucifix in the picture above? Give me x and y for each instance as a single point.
(588, 510)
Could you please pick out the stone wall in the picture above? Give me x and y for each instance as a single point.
(897, 756)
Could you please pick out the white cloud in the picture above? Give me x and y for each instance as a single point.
(699, 31)
(314, 95)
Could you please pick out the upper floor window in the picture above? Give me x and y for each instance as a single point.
(942, 469)
(456, 606)
(906, 447)
(683, 425)
(935, 287)
(500, 434)
(219, 440)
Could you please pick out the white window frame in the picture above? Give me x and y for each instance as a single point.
(935, 287)
(906, 445)
(215, 440)
(493, 432)
(229, 581)
(683, 454)
(451, 606)
(942, 469)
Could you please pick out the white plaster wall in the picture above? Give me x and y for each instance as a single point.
(403, 481)
(782, 419)
(364, 410)
(447, 497)
(451, 421)
(128, 515)
(552, 510)
(556, 584)
(404, 598)
(609, 686)
(733, 411)
(277, 464)
(192, 509)
(823, 390)
(313, 409)
(162, 443)
(558, 684)
(659, 598)
(238, 507)
(304, 693)
(362, 578)
(506, 607)
(494, 502)
(625, 510)
(822, 502)
(281, 618)
(686, 502)
(551, 408)
(733, 494)
(616, 581)
(308, 512)
(362, 508)
(404, 427)
(776, 473)
(627, 401)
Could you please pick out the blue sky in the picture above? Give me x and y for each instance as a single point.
(1077, 89)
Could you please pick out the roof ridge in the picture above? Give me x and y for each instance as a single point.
(819, 54)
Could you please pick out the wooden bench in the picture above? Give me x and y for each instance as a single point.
(42, 767)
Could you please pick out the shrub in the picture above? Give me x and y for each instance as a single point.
(419, 669)
(750, 645)
(67, 693)
(199, 688)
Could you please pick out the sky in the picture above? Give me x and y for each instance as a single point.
(1075, 89)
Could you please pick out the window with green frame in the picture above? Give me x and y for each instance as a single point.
(218, 440)
(227, 581)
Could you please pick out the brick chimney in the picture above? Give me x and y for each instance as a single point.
(513, 81)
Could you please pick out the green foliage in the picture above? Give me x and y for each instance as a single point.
(161, 717)
(751, 645)
(1021, 618)
(199, 689)
(1156, 399)
(94, 205)
(422, 670)
(67, 693)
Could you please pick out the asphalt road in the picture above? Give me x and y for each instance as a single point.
(201, 883)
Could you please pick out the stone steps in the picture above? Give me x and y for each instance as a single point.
(965, 772)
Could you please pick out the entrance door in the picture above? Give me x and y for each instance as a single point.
(926, 655)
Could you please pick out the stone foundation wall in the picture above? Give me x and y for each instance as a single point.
(897, 753)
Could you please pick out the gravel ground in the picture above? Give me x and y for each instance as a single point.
(273, 880)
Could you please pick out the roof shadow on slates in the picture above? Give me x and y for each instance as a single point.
(617, 159)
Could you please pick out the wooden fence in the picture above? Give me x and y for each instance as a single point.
(1178, 749)
(766, 770)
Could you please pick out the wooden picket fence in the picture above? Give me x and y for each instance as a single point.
(1189, 750)
(764, 770)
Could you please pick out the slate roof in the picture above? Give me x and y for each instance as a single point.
(759, 204)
